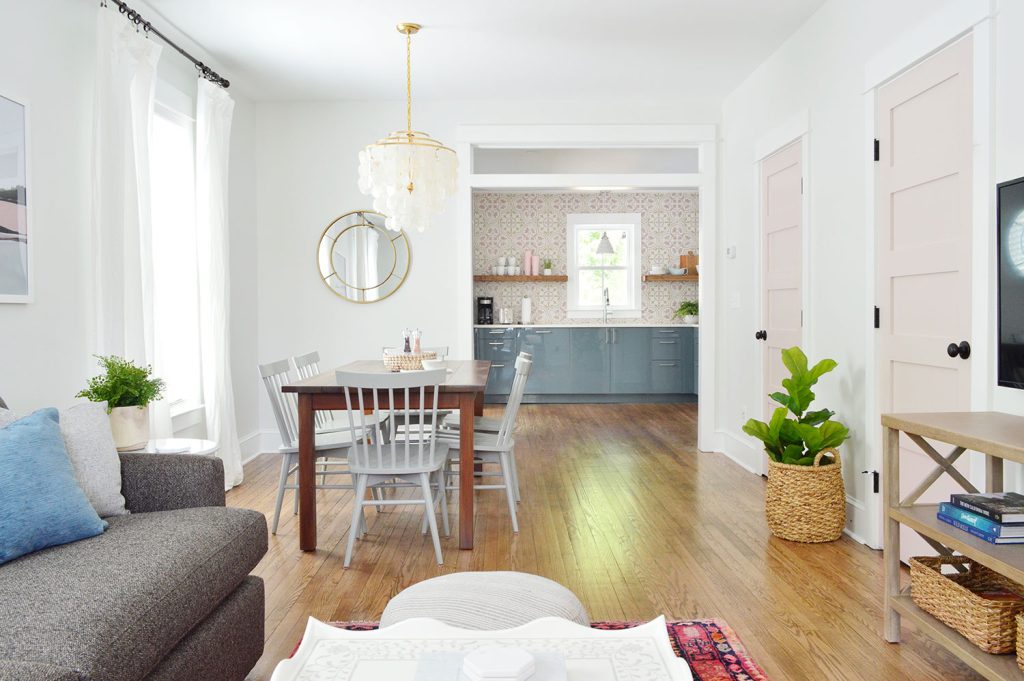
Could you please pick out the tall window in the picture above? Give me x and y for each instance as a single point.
(591, 272)
(175, 265)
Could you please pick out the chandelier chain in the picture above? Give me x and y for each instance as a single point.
(408, 82)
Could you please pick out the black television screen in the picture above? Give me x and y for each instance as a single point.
(1010, 208)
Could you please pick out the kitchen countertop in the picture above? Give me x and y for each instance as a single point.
(585, 326)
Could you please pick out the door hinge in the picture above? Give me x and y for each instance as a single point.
(878, 149)
(878, 318)
(874, 480)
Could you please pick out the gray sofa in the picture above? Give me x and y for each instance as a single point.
(164, 594)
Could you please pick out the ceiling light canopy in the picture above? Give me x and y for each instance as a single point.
(409, 174)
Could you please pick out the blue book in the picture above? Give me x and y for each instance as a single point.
(978, 533)
(980, 522)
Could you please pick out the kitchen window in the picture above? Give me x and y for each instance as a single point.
(175, 259)
(593, 270)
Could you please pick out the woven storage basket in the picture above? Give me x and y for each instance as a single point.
(987, 623)
(806, 503)
(1020, 641)
(407, 360)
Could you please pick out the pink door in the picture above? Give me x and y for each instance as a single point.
(781, 264)
(923, 250)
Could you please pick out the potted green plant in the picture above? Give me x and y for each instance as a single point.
(805, 498)
(688, 311)
(127, 390)
(547, 268)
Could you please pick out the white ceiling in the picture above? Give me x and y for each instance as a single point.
(483, 49)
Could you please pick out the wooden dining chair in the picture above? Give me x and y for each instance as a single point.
(332, 448)
(418, 458)
(484, 426)
(327, 421)
(497, 447)
(481, 424)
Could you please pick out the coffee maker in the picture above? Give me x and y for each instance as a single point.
(485, 310)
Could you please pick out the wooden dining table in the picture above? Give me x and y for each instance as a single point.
(463, 389)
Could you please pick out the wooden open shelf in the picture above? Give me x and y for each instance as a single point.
(988, 665)
(520, 277)
(996, 435)
(671, 277)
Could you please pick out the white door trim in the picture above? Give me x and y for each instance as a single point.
(700, 137)
(796, 129)
(943, 29)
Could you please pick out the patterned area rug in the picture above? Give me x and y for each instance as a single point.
(711, 648)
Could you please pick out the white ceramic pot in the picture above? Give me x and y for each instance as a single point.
(547, 272)
(130, 427)
(690, 319)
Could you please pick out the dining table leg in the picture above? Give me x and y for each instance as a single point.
(467, 409)
(307, 474)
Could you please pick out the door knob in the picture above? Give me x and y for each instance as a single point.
(963, 350)
(761, 335)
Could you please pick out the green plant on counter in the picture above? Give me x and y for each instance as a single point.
(687, 308)
(797, 440)
(123, 384)
(547, 264)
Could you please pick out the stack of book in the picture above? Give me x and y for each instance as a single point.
(997, 518)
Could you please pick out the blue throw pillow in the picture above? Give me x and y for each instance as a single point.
(41, 503)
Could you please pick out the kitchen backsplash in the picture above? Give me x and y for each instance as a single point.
(507, 223)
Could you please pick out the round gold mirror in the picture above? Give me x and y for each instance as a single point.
(360, 259)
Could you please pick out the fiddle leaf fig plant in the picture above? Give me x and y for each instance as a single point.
(794, 435)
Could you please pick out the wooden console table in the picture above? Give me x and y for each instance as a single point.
(999, 437)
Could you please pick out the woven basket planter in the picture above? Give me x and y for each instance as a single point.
(410, 361)
(989, 624)
(806, 503)
(1019, 619)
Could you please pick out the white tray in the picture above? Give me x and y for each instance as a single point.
(328, 653)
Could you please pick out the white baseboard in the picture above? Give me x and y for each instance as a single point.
(250, 445)
(742, 453)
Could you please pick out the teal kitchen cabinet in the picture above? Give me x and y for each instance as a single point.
(499, 347)
(629, 360)
(589, 363)
(552, 359)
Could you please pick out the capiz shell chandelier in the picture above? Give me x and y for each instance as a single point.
(409, 174)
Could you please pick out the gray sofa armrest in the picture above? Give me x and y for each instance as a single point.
(13, 670)
(164, 482)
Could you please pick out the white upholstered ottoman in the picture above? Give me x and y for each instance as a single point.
(485, 600)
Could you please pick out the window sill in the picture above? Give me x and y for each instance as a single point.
(186, 415)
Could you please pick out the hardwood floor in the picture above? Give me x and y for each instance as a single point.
(619, 506)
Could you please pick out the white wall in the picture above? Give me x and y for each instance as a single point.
(821, 70)
(48, 48)
(46, 347)
(308, 176)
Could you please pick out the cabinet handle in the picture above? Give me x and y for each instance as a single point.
(542, 331)
(666, 331)
(667, 364)
(497, 366)
(497, 331)
(667, 342)
(496, 343)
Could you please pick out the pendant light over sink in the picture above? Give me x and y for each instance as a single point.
(409, 174)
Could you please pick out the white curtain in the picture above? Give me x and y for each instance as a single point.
(121, 222)
(213, 132)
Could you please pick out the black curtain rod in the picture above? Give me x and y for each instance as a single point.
(137, 19)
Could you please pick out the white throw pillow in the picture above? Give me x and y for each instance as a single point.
(94, 458)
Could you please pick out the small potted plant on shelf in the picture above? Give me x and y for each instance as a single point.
(547, 268)
(805, 500)
(127, 389)
(689, 312)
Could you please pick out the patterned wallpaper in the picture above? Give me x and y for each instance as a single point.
(506, 223)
